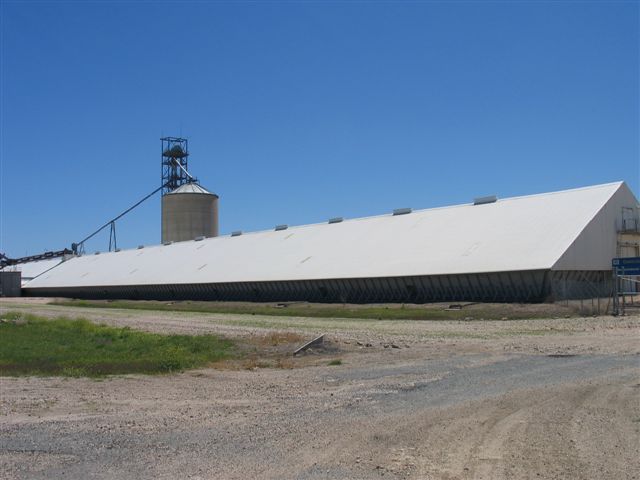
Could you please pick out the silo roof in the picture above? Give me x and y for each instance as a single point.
(191, 187)
(513, 234)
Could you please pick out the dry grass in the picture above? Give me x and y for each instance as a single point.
(256, 362)
(285, 363)
(275, 339)
(271, 350)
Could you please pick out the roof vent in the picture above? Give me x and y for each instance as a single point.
(281, 227)
(401, 211)
(237, 233)
(200, 238)
(336, 220)
(485, 200)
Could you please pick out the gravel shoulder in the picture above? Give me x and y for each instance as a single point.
(546, 398)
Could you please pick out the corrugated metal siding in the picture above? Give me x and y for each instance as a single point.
(525, 286)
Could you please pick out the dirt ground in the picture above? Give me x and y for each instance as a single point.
(545, 398)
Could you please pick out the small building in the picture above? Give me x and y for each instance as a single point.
(9, 284)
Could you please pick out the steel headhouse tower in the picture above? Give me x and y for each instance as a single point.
(175, 155)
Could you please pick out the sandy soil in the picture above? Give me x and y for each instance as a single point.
(549, 398)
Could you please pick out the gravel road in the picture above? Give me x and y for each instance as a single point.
(554, 398)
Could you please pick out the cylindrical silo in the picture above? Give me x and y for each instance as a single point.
(189, 212)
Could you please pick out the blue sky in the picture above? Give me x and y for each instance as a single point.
(298, 112)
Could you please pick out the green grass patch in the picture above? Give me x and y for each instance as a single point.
(30, 345)
(368, 312)
(335, 362)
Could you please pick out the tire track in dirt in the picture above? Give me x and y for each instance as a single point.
(528, 434)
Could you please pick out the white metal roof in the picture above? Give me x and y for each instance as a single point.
(522, 233)
(190, 188)
(31, 270)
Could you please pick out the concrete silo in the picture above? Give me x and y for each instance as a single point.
(188, 212)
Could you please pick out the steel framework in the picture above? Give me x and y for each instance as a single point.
(174, 171)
